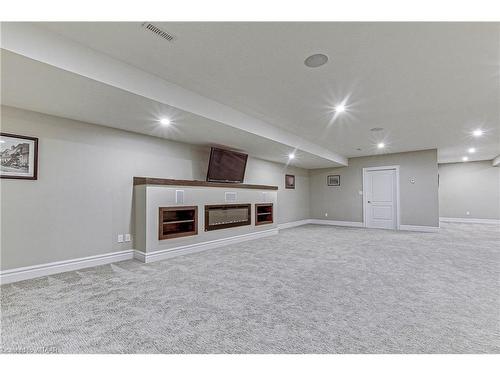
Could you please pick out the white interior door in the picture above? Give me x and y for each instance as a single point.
(380, 198)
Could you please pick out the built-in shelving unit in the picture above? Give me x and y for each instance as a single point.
(168, 216)
(177, 222)
(263, 213)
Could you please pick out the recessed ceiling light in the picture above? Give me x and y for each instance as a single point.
(477, 133)
(376, 129)
(471, 150)
(339, 108)
(381, 145)
(316, 60)
(465, 158)
(165, 121)
(291, 156)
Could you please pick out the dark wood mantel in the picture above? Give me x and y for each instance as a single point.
(172, 182)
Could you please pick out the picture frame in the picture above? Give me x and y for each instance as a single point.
(333, 180)
(18, 157)
(289, 181)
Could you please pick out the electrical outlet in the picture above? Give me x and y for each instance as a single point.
(467, 213)
(127, 237)
(120, 238)
(326, 214)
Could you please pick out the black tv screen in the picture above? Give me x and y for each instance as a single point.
(226, 166)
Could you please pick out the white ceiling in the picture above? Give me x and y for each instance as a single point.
(427, 84)
(244, 85)
(27, 83)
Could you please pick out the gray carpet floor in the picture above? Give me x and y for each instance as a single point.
(311, 289)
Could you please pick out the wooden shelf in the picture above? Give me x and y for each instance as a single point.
(264, 213)
(172, 182)
(176, 222)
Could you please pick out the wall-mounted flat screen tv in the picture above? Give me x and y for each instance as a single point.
(226, 166)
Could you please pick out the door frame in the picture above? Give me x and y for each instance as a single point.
(365, 200)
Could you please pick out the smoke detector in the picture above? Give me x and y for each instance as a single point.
(158, 31)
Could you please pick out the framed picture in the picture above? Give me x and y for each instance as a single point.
(18, 156)
(333, 180)
(289, 181)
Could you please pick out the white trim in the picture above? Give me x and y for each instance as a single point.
(418, 228)
(31, 272)
(152, 256)
(140, 256)
(469, 220)
(356, 224)
(293, 224)
(398, 200)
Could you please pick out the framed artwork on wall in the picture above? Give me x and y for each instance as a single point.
(333, 180)
(18, 157)
(289, 181)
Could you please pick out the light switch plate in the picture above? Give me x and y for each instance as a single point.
(120, 238)
(127, 237)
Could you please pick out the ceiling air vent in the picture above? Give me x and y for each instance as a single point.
(161, 33)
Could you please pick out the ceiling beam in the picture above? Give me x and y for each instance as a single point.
(45, 46)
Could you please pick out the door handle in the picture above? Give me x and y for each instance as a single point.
(369, 201)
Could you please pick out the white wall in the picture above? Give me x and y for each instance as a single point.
(419, 201)
(83, 196)
(472, 187)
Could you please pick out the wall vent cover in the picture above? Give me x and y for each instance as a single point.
(230, 196)
(158, 31)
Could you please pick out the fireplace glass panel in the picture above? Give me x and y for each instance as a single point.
(226, 216)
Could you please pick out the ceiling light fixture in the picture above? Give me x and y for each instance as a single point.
(291, 156)
(165, 121)
(339, 108)
(477, 133)
(381, 145)
(471, 150)
(316, 60)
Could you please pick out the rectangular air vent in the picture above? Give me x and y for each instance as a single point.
(161, 33)
(230, 196)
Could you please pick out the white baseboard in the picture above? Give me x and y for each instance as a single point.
(469, 220)
(418, 228)
(148, 257)
(31, 272)
(293, 224)
(356, 224)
